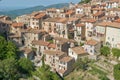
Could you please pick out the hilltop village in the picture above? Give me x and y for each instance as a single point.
(63, 36)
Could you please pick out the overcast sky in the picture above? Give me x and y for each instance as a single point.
(30, 3)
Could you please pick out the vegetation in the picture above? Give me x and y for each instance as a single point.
(81, 44)
(44, 73)
(7, 49)
(105, 50)
(116, 52)
(81, 64)
(84, 1)
(9, 69)
(70, 35)
(117, 72)
(51, 41)
(100, 73)
(25, 66)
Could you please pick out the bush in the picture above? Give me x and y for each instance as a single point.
(105, 50)
(116, 52)
(117, 72)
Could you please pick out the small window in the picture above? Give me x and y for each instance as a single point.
(33, 23)
(72, 53)
(91, 51)
(112, 39)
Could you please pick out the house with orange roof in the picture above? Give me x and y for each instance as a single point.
(16, 27)
(77, 53)
(15, 34)
(28, 35)
(89, 27)
(79, 32)
(92, 47)
(27, 53)
(59, 61)
(36, 20)
(112, 38)
(65, 65)
(41, 46)
(69, 13)
(52, 58)
(112, 3)
(49, 25)
(113, 11)
(98, 15)
(63, 44)
(23, 19)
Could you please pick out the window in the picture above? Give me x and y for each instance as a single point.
(34, 38)
(72, 53)
(43, 23)
(33, 23)
(112, 39)
(64, 68)
(49, 24)
(108, 38)
(91, 51)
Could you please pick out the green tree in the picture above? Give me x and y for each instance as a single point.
(7, 49)
(8, 69)
(116, 52)
(117, 72)
(3, 44)
(44, 73)
(11, 50)
(81, 64)
(105, 50)
(25, 66)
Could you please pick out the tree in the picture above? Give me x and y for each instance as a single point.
(2, 47)
(117, 72)
(105, 50)
(81, 64)
(25, 66)
(44, 73)
(11, 50)
(8, 69)
(116, 52)
(7, 49)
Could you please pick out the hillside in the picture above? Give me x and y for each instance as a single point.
(15, 13)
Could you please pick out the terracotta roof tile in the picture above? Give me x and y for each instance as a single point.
(66, 59)
(118, 20)
(69, 12)
(92, 42)
(98, 13)
(79, 50)
(40, 42)
(40, 15)
(17, 25)
(80, 25)
(52, 45)
(91, 20)
(54, 52)
(26, 50)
